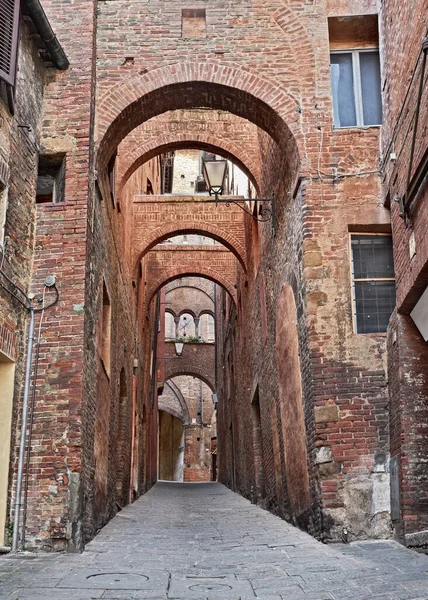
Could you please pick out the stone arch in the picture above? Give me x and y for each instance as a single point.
(203, 271)
(173, 141)
(180, 297)
(172, 228)
(195, 84)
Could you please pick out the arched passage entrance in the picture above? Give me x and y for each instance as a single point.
(189, 85)
(186, 432)
(158, 218)
(222, 147)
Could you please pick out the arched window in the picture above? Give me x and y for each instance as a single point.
(207, 328)
(169, 326)
(186, 326)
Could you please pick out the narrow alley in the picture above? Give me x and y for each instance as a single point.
(202, 541)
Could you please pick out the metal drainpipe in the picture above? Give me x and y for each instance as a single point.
(46, 33)
(15, 539)
(201, 402)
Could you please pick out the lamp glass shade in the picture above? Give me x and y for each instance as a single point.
(178, 348)
(215, 174)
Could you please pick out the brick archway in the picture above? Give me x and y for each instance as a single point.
(177, 272)
(178, 371)
(183, 414)
(195, 84)
(167, 263)
(223, 147)
(197, 360)
(157, 218)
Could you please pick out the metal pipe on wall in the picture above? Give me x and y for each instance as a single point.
(15, 539)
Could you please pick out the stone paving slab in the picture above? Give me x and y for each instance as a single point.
(203, 542)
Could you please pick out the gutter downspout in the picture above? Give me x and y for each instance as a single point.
(49, 38)
(15, 540)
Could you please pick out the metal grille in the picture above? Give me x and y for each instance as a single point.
(373, 282)
(9, 19)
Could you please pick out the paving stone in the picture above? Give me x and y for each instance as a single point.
(203, 542)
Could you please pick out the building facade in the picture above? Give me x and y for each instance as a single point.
(317, 359)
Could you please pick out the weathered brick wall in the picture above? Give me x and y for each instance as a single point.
(197, 360)
(403, 28)
(287, 96)
(55, 518)
(191, 298)
(404, 25)
(19, 139)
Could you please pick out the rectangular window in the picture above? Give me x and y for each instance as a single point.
(373, 282)
(356, 87)
(51, 179)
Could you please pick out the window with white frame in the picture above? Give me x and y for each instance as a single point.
(356, 87)
(373, 281)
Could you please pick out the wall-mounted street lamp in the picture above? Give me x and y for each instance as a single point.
(215, 172)
(179, 348)
(178, 351)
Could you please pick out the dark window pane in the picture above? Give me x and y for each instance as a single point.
(370, 88)
(374, 303)
(342, 82)
(372, 257)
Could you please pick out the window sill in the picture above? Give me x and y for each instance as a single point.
(381, 334)
(356, 127)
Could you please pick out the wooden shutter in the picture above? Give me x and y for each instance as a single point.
(9, 21)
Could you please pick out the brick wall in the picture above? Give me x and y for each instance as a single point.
(19, 140)
(326, 184)
(403, 28)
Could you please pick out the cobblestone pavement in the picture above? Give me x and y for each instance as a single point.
(202, 541)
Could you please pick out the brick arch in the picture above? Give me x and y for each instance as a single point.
(207, 229)
(207, 312)
(173, 141)
(197, 360)
(203, 271)
(162, 405)
(177, 371)
(291, 23)
(192, 85)
(184, 296)
(187, 311)
(192, 283)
